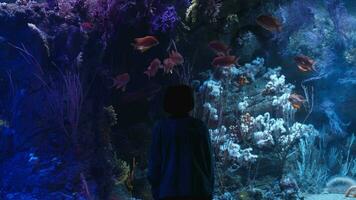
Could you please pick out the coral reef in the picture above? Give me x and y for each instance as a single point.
(255, 135)
(60, 136)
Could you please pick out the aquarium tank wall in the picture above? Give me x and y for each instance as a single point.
(82, 83)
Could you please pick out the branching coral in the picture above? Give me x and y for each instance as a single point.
(251, 70)
(212, 91)
(243, 104)
(212, 112)
(242, 156)
(259, 115)
(226, 143)
(297, 131)
(267, 128)
(212, 88)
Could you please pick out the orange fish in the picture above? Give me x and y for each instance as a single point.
(176, 57)
(269, 23)
(168, 65)
(296, 100)
(120, 81)
(304, 63)
(220, 48)
(153, 68)
(225, 61)
(145, 43)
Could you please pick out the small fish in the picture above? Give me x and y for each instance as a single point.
(120, 81)
(304, 63)
(168, 65)
(176, 57)
(225, 61)
(220, 48)
(153, 68)
(87, 26)
(296, 100)
(145, 43)
(269, 23)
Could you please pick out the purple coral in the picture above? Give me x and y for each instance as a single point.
(340, 18)
(166, 21)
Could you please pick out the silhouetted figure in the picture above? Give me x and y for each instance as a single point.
(181, 161)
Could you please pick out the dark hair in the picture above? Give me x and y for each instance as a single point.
(178, 100)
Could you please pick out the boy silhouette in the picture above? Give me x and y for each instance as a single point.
(181, 160)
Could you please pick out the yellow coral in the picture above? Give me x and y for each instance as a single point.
(4, 123)
(192, 11)
(111, 113)
(124, 171)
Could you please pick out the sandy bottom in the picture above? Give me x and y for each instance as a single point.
(327, 197)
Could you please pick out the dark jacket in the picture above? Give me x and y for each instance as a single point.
(181, 161)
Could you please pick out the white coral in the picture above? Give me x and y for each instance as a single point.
(213, 112)
(267, 129)
(266, 123)
(242, 106)
(263, 139)
(296, 132)
(253, 68)
(283, 102)
(212, 87)
(242, 156)
(218, 135)
(225, 143)
(275, 83)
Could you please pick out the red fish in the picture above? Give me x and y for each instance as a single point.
(87, 26)
(296, 100)
(304, 63)
(120, 81)
(168, 65)
(220, 48)
(225, 61)
(147, 92)
(145, 43)
(153, 68)
(269, 23)
(176, 57)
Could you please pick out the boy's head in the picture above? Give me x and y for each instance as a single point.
(178, 100)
